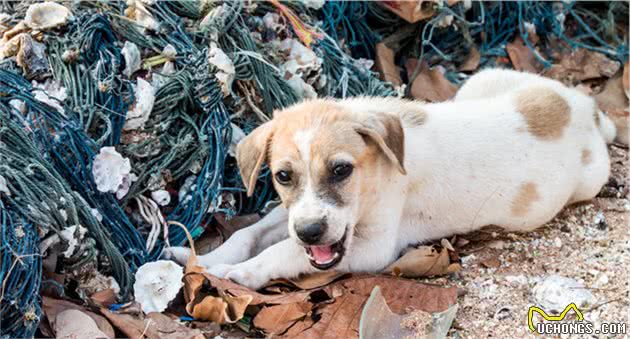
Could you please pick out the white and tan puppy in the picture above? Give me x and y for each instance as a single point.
(361, 179)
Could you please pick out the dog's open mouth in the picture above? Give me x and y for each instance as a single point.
(325, 257)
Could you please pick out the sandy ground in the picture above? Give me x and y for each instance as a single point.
(589, 242)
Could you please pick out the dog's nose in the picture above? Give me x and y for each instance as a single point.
(311, 232)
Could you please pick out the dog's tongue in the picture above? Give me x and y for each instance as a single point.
(322, 253)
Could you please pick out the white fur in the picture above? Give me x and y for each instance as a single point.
(465, 166)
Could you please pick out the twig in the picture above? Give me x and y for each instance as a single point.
(190, 239)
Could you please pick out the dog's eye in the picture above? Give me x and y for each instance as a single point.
(283, 177)
(341, 171)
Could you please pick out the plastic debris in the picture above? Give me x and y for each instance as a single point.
(72, 236)
(132, 58)
(139, 113)
(138, 12)
(4, 188)
(301, 60)
(157, 283)
(51, 93)
(112, 172)
(218, 58)
(555, 292)
(162, 197)
(46, 15)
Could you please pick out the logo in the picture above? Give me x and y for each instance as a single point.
(560, 317)
(555, 324)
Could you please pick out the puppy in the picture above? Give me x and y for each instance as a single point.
(361, 179)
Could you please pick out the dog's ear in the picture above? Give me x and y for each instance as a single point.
(251, 153)
(386, 131)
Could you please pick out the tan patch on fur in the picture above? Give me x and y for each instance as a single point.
(587, 156)
(527, 194)
(414, 118)
(545, 111)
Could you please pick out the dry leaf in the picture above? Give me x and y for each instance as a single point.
(491, 262)
(522, 57)
(277, 319)
(72, 323)
(104, 297)
(581, 65)
(52, 307)
(471, 63)
(386, 65)
(340, 319)
(131, 326)
(169, 328)
(153, 326)
(411, 11)
(316, 280)
(430, 84)
(228, 287)
(423, 261)
(222, 308)
(614, 102)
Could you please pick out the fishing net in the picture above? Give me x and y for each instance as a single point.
(158, 93)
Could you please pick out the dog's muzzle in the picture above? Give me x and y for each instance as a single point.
(324, 257)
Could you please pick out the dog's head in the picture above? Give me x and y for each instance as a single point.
(326, 163)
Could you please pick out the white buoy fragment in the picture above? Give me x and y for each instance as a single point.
(139, 113)
(112, 172)
(46, 15)
(157, 284)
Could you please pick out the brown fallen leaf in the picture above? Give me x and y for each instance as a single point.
(614, 102)
(222, 308)
(522, 57)
(423, 261)
(73, 323)
(131, 326)
(412, 11)
(340, 319)
(276, 319)
(385, 64)
(228, 287)
(430, 84)
(52, 307)
(492, 262)
(471, 63)
(104, 297)
(318, 279)
(152, 326)
(581, 65)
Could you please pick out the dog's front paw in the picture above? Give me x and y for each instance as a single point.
(250, 278)
(240, 274)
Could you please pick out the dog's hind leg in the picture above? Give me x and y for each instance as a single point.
(243, 244)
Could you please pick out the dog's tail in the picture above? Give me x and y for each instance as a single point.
(606, 127)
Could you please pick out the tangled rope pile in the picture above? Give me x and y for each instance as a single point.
(157, 93)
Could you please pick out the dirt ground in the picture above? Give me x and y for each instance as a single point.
(589, 242)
